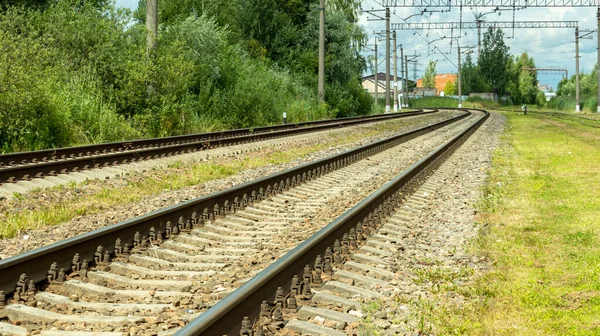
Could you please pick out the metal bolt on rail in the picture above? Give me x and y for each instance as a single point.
(312, 276)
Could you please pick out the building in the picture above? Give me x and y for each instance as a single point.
(547, 90)
(368, 83)
(440, 81)
(420, 92)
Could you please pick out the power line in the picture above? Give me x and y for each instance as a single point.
(494, 24)
(489, 3)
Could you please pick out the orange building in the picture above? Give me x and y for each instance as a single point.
(440, 81)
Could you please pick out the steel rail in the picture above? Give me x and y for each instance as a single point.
(225, 317)
(11, 159)
(74, 159)
(184, 216)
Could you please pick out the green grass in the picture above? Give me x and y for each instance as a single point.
(473, 102)
(433, 102)
(539, 225)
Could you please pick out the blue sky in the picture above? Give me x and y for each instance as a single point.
(128, 3)
(549, 47)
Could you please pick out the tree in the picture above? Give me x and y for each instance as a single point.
(450, 88)
(494, 60)
(471, 80)
(429, 77)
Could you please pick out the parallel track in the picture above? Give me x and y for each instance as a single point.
(27, 165)
(180, 236)
(278, 289)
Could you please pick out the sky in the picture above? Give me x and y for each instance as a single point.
(128, 3)
(550, 47)
(554, 48)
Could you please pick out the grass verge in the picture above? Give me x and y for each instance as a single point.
(539, 227)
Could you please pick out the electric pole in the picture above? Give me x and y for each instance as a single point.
(577, 69)
(414, 60)
(403, 75)
(376, 77)
(406, 79)
(577, 57)
(598, 17)
(387, 60)
(321, 84)
(151, 26)
(478, 40)
(459, 84)
(395, 74)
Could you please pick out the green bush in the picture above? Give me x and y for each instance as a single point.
(74, 72)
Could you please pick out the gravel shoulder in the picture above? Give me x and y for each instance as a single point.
(438, 264)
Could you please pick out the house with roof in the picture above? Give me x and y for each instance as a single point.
(440, 82)
(369, 82)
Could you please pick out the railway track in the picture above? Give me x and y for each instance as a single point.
(189, 256)
(356, 247)
(25, 166)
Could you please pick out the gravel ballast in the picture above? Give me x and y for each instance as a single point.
(346, 187)
(31, 239)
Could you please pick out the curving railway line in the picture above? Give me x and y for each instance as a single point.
(208, 263)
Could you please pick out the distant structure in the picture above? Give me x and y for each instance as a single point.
(547, 90)
(440, 82)
(368, 83)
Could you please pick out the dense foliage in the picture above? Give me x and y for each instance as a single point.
(74, 72)
(499, 72)
(429, 77)
(493, 61)
(588, 95)
(450, 88)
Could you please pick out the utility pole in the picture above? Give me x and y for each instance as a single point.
(406, 80)
(321, 84)
(459, 84)
(151, 26)
(598, 17)
(577, 69)
(403, 75)
(378, 17)
(387, 60)
(478, 40)
(376, 77)
(578, 37)
(395, 74)
(415, 66)
(414, 60)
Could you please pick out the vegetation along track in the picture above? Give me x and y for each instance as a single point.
(169, 273)
(578, 118)
(26, 165)
(352, 247)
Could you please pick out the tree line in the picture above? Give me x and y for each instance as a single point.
(74, 72)
(496, 71)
